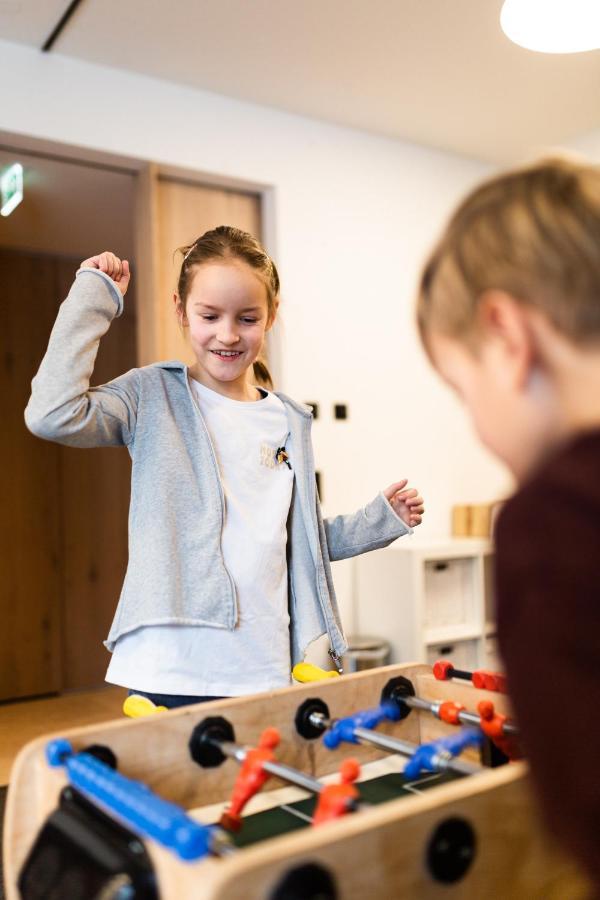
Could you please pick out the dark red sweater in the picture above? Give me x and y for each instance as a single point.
(548, 608)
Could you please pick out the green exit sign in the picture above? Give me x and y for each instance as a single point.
(11, 188)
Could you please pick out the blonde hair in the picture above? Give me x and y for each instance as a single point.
(534, 233)
(226, 242)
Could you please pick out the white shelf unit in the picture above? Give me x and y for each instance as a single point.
(430, 600)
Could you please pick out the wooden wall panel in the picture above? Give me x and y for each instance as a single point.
(30, 543)
(185, 211)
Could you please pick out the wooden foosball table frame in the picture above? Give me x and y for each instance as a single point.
(378, 852)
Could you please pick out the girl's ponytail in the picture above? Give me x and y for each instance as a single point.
(262, 375)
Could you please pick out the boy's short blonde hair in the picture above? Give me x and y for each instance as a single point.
(534, 233)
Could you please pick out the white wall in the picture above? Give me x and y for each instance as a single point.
(586, 144)
(354, 216)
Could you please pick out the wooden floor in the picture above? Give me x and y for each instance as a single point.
(28, 719)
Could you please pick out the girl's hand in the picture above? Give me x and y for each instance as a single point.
(407, 504)
(115, 268)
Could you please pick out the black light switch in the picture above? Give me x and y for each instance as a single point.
(315, 409)
(340, 411)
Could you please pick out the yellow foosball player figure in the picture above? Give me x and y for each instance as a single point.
(136, 706)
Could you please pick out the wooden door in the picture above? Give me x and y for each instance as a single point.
(172, 213)
(30, 514)
(63, 515)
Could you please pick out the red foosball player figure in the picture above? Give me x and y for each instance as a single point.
(336, 800)
(492, 725)
(443, 670)
(251, 778)
(450, 711)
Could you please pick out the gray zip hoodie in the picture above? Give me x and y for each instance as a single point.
(176, 573)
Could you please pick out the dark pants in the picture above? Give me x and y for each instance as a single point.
(172, 701)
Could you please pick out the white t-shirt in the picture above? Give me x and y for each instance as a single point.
(255, 656)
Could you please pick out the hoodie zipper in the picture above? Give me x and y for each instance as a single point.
(337, 661)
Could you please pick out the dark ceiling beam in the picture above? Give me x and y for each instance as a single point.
(60, 25)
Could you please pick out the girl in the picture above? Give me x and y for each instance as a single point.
(228, 579)
(509, 313)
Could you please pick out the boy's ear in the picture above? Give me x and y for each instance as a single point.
(180, 310)
(506, 322)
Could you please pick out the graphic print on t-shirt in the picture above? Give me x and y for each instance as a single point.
(267, 456)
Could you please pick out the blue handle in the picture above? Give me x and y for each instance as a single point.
(345, 729)
(427, 756)
(133, 802)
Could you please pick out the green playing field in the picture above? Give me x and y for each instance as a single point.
(292, 817)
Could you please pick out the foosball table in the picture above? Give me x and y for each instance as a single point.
(380, 784)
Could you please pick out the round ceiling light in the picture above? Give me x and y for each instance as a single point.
(552, 26)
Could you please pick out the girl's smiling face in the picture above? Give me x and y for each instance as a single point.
(226, 312)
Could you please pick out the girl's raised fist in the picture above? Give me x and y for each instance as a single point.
(112, 266)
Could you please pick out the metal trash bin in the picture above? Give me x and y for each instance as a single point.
(365, 653)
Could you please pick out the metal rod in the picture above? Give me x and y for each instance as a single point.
(220, 843)
(286, 773)
(235, 751)
(395, 745)
(294, 776)
(408, 749)
(51, 39)
(417, 703)
(445, 761)
(367, 736)
(468, 718)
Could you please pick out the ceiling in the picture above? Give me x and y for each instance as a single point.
(437, 72)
